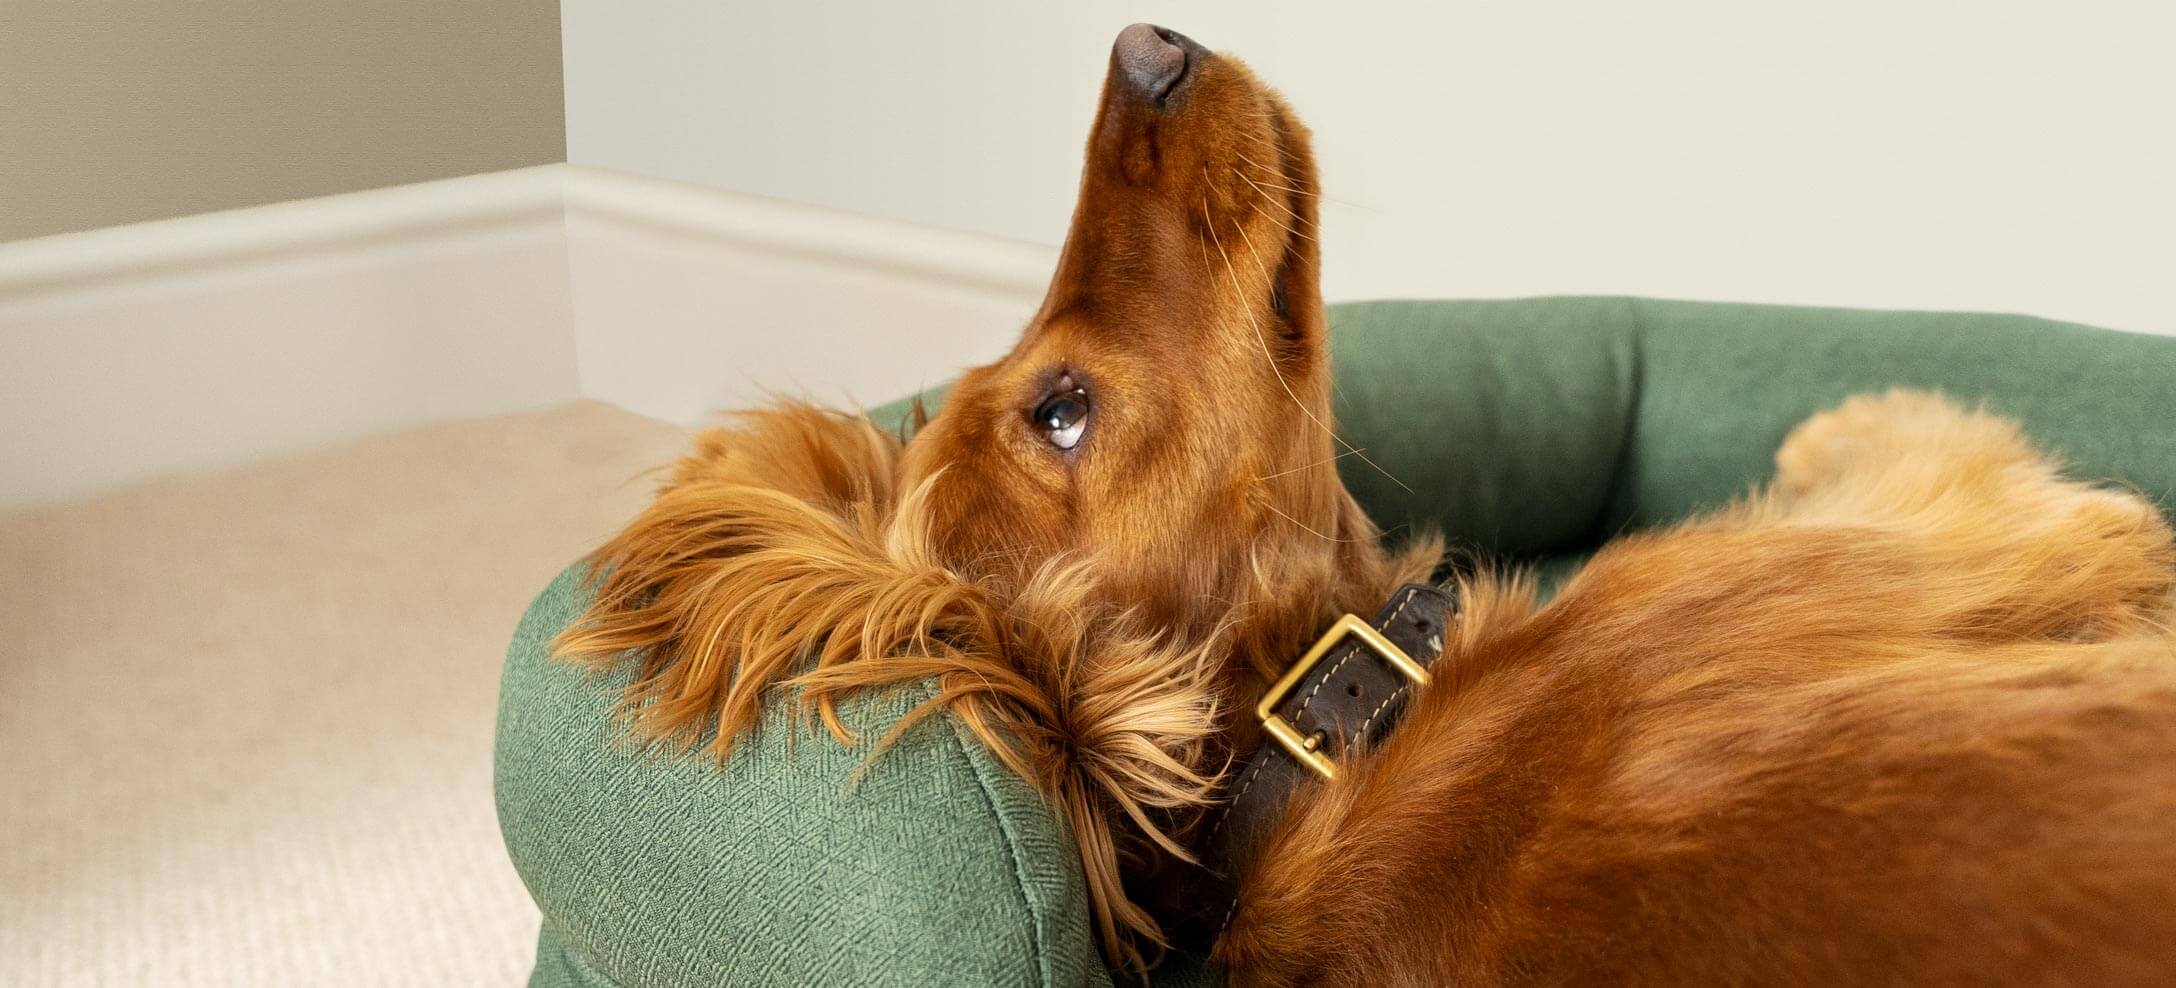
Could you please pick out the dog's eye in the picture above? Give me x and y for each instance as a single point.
(1063, 416)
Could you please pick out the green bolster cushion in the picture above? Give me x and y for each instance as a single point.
(936, 866)
(1720, 385)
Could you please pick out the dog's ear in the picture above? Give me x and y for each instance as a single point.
(783, 552)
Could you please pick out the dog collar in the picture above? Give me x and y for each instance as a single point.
(1347, 691)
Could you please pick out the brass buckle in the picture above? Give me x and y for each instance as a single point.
(1308, 749)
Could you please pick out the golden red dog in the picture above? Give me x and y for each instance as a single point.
(1907, 715)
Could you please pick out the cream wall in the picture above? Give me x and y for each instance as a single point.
(1975, 155)
(118, 112)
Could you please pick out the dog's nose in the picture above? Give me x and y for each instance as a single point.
(1152, 59)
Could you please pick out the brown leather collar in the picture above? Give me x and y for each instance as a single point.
(1348, 691)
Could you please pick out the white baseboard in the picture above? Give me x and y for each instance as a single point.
(154, 348)
(179, 345)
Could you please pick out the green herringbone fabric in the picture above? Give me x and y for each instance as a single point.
(938, 867)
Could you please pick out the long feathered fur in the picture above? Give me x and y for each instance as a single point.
(781, 554)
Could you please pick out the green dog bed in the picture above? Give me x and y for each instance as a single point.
(1530, 429)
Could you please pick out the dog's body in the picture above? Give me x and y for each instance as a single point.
(1905, 718)
(1909, 715)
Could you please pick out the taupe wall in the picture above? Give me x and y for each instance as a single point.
(115, 111)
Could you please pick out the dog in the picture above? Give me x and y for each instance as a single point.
(1908, 714)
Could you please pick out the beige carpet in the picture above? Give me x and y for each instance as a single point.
(245, 719)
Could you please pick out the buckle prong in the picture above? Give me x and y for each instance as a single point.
(1308, 748)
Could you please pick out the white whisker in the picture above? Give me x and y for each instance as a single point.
(1262, 194)
(1301, 524)
(1271, 171)
(1256, 254)
(1298, 192)
(1280, 205)
(1264, 141)
(1221, 199)
(1306, 466)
